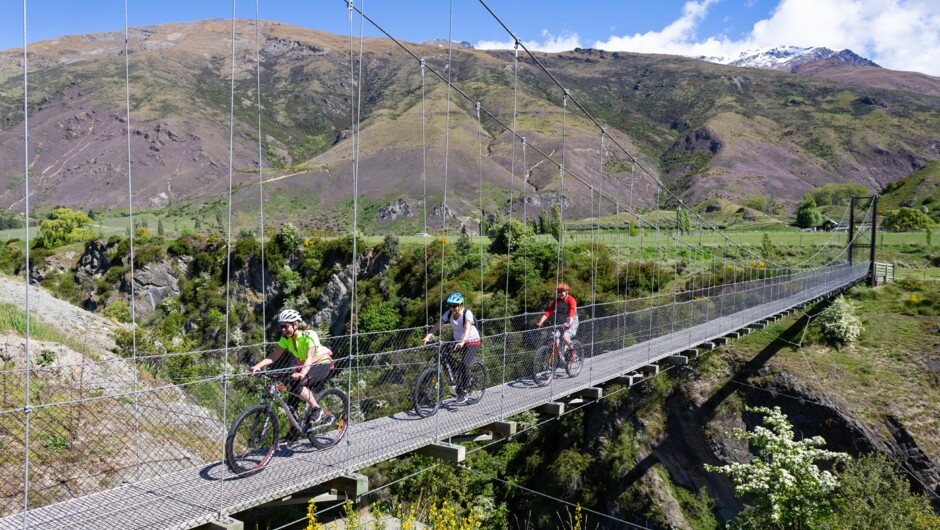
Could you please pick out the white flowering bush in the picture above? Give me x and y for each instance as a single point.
(782, 486)
(838, 322)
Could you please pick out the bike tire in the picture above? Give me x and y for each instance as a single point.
(251, 441)
(335, 405)
(477, 384)
(543, 366)
(428, 393)
(575, 359)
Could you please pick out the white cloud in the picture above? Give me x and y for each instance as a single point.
(897, 34)
(550, 43)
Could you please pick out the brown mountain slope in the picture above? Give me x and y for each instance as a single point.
(871, 76)
(704, 129)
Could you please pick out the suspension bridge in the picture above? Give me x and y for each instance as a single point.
(131, 450)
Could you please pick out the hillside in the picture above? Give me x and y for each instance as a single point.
(705, 129)
(921, 189)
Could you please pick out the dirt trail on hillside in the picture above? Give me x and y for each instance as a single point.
(80, 325)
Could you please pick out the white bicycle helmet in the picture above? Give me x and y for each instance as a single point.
(289, 315)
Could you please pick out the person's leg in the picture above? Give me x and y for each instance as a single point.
(468, 357)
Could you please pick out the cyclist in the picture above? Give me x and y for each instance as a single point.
(314, 361)
(565, 308)
(467, 339)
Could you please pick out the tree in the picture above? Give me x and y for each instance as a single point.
(64, 226)
(807, 216)
(463, 243)
(905, 219)
(836, 194)
(683, 222)
(838, 322)
(782, 483)
(160, 227)
(874, 494)
(555, 225)
(511, 235)
(767, 248)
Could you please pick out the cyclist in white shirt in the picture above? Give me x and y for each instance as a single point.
(466, 340)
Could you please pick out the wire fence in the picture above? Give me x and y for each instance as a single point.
(92, 429)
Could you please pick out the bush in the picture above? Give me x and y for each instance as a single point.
(838, 322)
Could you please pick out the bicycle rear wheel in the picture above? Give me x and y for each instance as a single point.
(332, 427)
(543, 365)
(575, 356)
(476, 385)
(251, 441)
(427, 396)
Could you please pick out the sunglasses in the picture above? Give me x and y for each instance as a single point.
(285, 326)
(454, 306)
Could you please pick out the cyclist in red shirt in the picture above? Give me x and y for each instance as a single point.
(565, 308)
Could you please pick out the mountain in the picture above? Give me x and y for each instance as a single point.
(705, 130)
(789, 58)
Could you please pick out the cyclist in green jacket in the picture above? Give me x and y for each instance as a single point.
(314, 361)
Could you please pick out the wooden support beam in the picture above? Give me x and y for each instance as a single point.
(709, 346)
(744, 331)
(733, 335)
(652, 369)
(554, 408)
(720, 341)
(445, 451)
(678, 359)
(594, 392)
(759, 325)
(691, 353)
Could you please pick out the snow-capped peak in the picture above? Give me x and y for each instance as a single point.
(787, 58)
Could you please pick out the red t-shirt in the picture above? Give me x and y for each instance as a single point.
(566, 309)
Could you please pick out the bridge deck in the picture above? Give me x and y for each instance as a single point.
(195, 496)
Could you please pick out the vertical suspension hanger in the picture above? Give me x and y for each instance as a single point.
(424, 181)
(27, 407)
(264, 309)
(130, 208)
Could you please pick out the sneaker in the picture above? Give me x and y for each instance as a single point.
(461, 399)
(315, 416)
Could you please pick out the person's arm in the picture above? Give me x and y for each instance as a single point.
(308, 362)
(432, 331)
(275, 355)
(572, 309)
(546, 314)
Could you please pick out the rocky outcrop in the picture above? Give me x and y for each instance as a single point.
(547, 199)
(396, 210)
(55, 264)
(153, 283)
(94, 262)
(333, 303)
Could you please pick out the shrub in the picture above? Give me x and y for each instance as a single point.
(838, 322)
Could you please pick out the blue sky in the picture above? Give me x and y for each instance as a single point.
(898, 34)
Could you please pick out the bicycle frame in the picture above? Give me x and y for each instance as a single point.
(273, 394)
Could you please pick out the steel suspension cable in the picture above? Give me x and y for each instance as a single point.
(264, 290)
(584, 110)
(547, 496)
(26, 401)
(226, 367)
(424, 180)
(130, 209)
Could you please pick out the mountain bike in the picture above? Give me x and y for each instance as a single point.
(433, 381)
(556, 353)
(254, 436)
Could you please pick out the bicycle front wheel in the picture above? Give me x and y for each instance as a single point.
(251, 441)
(543, 365)
(427, 397)
(575, 356)
(332, 426)
(476, 385)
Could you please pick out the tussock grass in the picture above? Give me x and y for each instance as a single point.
(13, 320)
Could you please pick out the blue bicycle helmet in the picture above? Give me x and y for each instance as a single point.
(455, 299)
